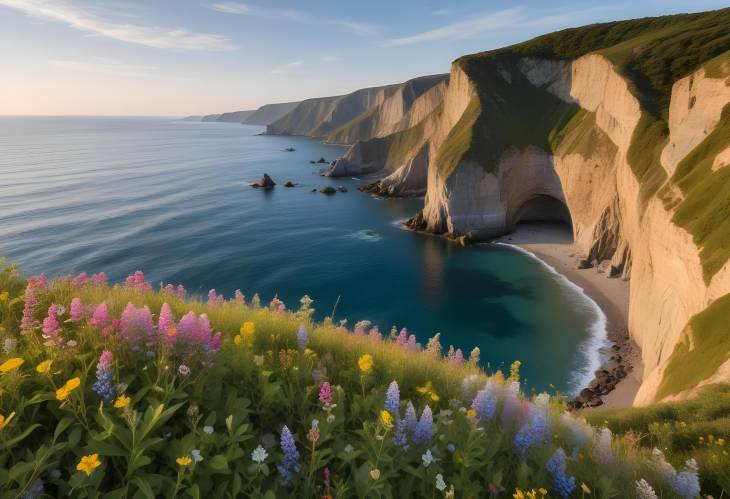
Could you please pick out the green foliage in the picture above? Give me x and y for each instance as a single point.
(697, 428)
(393, 150)
(702, 349)
(649, 138)
(459, 140)
(705, 209)
(194, 434)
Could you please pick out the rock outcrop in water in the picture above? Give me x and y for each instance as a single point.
(620, 129)
(265, 183)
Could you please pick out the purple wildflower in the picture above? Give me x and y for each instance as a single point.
(424, 428)
(325, 394)
(103, 386)
(485, 402)
(101, 319)
(399, 437)
(392, 399)
(458, 357)
(302, 338)
(51, 326)
(558, 467)
(136, 324)
(290, 461)
(511, 404)
(76, 310)
(602, 448)
(411, 420)
(535, 430)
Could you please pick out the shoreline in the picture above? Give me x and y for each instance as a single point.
(618, 379)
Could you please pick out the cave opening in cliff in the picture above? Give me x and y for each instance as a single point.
(545, 216)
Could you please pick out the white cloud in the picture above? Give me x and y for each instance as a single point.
(512, 19)
(288, 68)
(104, 67)
(246, 9)
(151, 36)
(329, 58)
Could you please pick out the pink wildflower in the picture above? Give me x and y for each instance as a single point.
(80, 280)
(402, 337)
(39, 281)
(412, 345)
(76, 311)
(51, 326)
(239, 298)
(458, 357)
(166, 320)
(136, 281)
(375, 335)
(98, 279)
(31, 302)
(136, 323)
(100, 318)
(325, 394)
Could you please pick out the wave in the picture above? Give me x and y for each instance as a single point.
(367, 235)
(593, 348)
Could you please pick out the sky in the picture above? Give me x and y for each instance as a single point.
(184, 57)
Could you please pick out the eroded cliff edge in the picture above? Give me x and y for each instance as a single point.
(635, 156)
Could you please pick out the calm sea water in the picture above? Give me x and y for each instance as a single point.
(171, 198)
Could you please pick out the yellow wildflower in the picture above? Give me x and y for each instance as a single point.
(63, 392)
(542, 491)
(5, 421)
(721, 442)
(472, 413)
(4, 296)
(386, 418)
(426, 388)
(88, 464)
(184, 460)
(248, 328)
(585, 488)
(435, 397)
(518, 494)
(514, 371)
(44, 366)
(365, 363)
(237, 339)
(531, 494)
(11, 364)
(375, 473)
(122, 401)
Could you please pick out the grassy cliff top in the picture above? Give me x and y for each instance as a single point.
(123, 391)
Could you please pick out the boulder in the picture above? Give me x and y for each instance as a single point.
(289, 184)
(342, 188)
(264, 183)
(321, 160)
(329, 190)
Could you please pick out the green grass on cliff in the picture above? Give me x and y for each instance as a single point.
(692, 428)
(393, 150)
(705, 209)
(702, 349)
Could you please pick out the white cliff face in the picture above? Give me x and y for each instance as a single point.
(610, 219)
(695, 110)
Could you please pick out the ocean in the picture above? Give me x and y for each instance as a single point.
(172, 198)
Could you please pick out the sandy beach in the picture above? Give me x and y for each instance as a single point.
(553, 245)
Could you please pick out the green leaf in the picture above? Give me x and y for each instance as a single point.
(62, 426)
(218, 464)
(144, 487)
(193, 491)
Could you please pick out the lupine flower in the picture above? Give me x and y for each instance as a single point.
(100, 318)
(290, 462)
(485, 402)
(411, 419)
(458, 357)
(424, 428)
(196, 455)
(239, 299)
(360, 327)
(402, 337)
(180, 292)
(39, 281)
(686, 483)
(76, 310)
(302, 338)
(98, 279)
(166, 320)
(602, 448)
(536, 430)
(392, 398)
(51, 326)
(644, 490)
(80, 280)
(433, 346)
(325, 394)
(259, 455)
(579, 432)
(35, 490)
(136, 324)
(30, 303)
(215, 300)
(467, 386)
(511, 404)
(399, 437)
(440, 484)
(88, 464)
(412, 345)
(474, 356)
(558, 467)
(136, 281)
(103, 386)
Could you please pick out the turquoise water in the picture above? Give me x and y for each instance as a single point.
(171, 198)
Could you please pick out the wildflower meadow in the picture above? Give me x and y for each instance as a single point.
(137, 390)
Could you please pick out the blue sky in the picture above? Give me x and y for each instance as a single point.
(178, 57)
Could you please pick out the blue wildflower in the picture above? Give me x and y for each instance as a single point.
(558, 467)
(302, 338)
(35, 490)
(290, 462)
(424, 428)
(399, 437)
(411, 419)
(392, 399)
(485, 402)
(536, 430)
(103, 386)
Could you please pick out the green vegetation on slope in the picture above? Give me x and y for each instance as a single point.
(697, 428)
(702, 349)
(393, 150)
(705, 209)
(649, 138)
